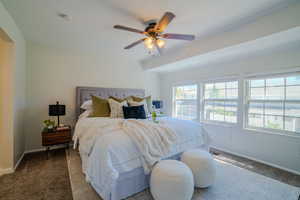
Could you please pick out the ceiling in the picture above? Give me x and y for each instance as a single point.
(91, 21)
(283, 41)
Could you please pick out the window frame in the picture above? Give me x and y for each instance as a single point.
(196, 100)
(246, 103)
(237, 100)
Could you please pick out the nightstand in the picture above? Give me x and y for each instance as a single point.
(56, 137)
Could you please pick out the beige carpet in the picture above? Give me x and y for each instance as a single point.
(233, 183)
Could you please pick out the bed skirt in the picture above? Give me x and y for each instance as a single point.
(132, 182)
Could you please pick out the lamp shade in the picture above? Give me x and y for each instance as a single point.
(57, 109)
(157, 104)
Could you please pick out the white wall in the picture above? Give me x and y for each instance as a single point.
(278, 150)
(18, 80)
(54, 74)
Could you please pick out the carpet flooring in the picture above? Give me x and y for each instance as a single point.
(259, 168)
(237, 178)
(40, 179)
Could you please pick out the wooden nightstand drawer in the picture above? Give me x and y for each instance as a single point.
(52, 140)
(58, 137)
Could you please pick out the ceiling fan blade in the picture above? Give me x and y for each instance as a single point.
(135, 43)
(164, 21)
(178, 36)
(125, 28)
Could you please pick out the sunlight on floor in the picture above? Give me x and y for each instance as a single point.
(228, 161)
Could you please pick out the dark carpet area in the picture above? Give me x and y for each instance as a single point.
(38, 178)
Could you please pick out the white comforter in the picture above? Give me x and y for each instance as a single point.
(109, 150)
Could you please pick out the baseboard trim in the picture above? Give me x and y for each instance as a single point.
(258, 160)
(44, 149)
(6, 171)
(35, 150)
(19, 161)
(12, 170)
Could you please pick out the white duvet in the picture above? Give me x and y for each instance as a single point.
(107, 149)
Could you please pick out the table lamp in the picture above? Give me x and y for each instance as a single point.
(57, 110)
(157, 104)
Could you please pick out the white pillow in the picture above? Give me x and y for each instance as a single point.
(87, 105)
(135, 103)
(85, 114)
(116, 108)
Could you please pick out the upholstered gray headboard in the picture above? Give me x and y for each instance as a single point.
(84, 93)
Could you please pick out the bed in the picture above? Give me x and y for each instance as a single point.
(111, 161)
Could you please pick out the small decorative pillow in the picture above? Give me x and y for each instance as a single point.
(134, 112)
(138, 103)
(116, 110)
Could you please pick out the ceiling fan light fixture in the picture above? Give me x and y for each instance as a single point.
(148, 40)
(160, 43)
(149, 43)
(149, 46)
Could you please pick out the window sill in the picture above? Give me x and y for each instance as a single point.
(216, 123)
(284, 133)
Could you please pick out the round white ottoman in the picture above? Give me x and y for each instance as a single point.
(202, 165)
(171, 180)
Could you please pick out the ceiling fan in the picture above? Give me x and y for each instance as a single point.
(154, 33)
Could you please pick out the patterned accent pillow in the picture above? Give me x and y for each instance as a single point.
(116, 110)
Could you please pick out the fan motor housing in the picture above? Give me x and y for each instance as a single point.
(150, 26)
(150, 29)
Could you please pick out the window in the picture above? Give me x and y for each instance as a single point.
(185, 102)
(220, 101)
(274, 103)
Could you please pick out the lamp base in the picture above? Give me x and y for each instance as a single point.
(58, 123)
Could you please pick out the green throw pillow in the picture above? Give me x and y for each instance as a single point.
(100, 107)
